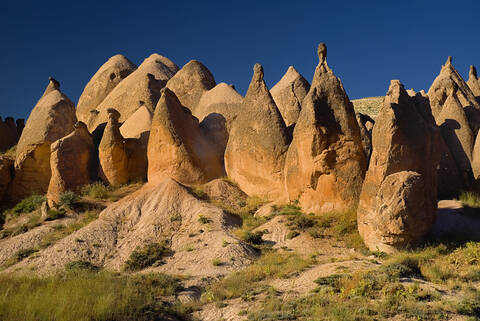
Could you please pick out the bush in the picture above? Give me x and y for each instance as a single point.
(68, 199)
(147, 256)
(20, 255)
(217, 262)
(53, 214)
(204, 220)
(96, 190)
(80, 265)
(29, 204)
(470, 199)
(253, 237)
(292, 234)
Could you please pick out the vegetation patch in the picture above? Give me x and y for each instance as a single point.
(148, 255)
(29, 204)
(55, 214)
(69, 199)
(470, 199)
(19, 256)
(96, 190)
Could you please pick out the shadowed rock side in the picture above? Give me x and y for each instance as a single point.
(399, 195)
(473, 82)
(476, 158)
(177, 148)
(140, 88)
(10, 132)
(365, 133)
(257, 146)
(110, 74)
(447, 83)
(223, 100)
(288, 95)
(190, 83)
(325, 162)
(72, 163)
(6, 175)
(52, 118)
(146, 217)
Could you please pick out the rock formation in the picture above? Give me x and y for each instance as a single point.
(6, 175)
(255, 153)
(110, 74)
(72, 163)
(8, 133)
(325, 163)
(140, 88)
(399, 195)
(223, 100)
(138, 125)
(447, 83)
(190, 83)
(177, 148)
(51, 119)
(288, 95)
(365, 133)
(473, 82)
(112, 153)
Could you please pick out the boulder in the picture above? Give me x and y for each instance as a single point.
(446, 84)
(258, 142)
(140, 88)
(177, 148)
(399, 195)
(51, 119)
(190, 83)
(223, 100)
(288, 95)
(110, 74)
(112, 153)
(6, 175)
(72, 163)
(473, 82)
(325, 163)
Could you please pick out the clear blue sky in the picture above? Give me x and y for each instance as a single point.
(369, 42)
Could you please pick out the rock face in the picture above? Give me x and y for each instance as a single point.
(52, 118)
(223, 100)
(112, 153)
(325, 162)
(140, 88)
(365, 133)
(177, 148)
(9, 133)
(473, 82)
(6, 175)
(138, 125)
(288, 95)
(190, 83)
(399, 195)
(258, 142)
(476, 158)
(72, 163)
(102, 83)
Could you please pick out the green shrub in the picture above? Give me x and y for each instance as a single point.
(200, 193)
(20, 255)
(292, 234)
(96, 190)
(68, 199)
(150, 254)
(54, 214)
(470, 199)
(80, 265)
(217, 262)
(29, 204)
(253, 237)
(204, 220)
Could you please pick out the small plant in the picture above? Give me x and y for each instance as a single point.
(54, 214)
(29, 204)
(68, 199)
(253, 237)
(200, 193)
(80, 265)
(470, 199)
(225, 243)
(96, 190)
(217, 262)
(292, 234)
(147, 255)
(20, 255)
(204, 220)
(175, 217)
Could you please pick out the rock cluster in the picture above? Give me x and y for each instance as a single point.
(10, 132)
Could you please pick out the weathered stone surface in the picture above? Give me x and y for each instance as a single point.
(8, 134)
(223, 100)
(257, 146)
(6, 175)
(72, 163)
(190, 83)
(51, 119)
(177, 148)
(140, 88)
(112, 153)
(447, 83)
(365, 133)
(399, 195)
(102, 83)
(137, 125)
(288, 95)
(325, 162)
(214, 128)
(473, 82)
(476, 158)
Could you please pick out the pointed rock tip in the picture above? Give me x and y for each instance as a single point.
(449, 60)
(55, 82)
(322, 52)
(473, 71)
(258, 71)
(113, 114)
(395, 84)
